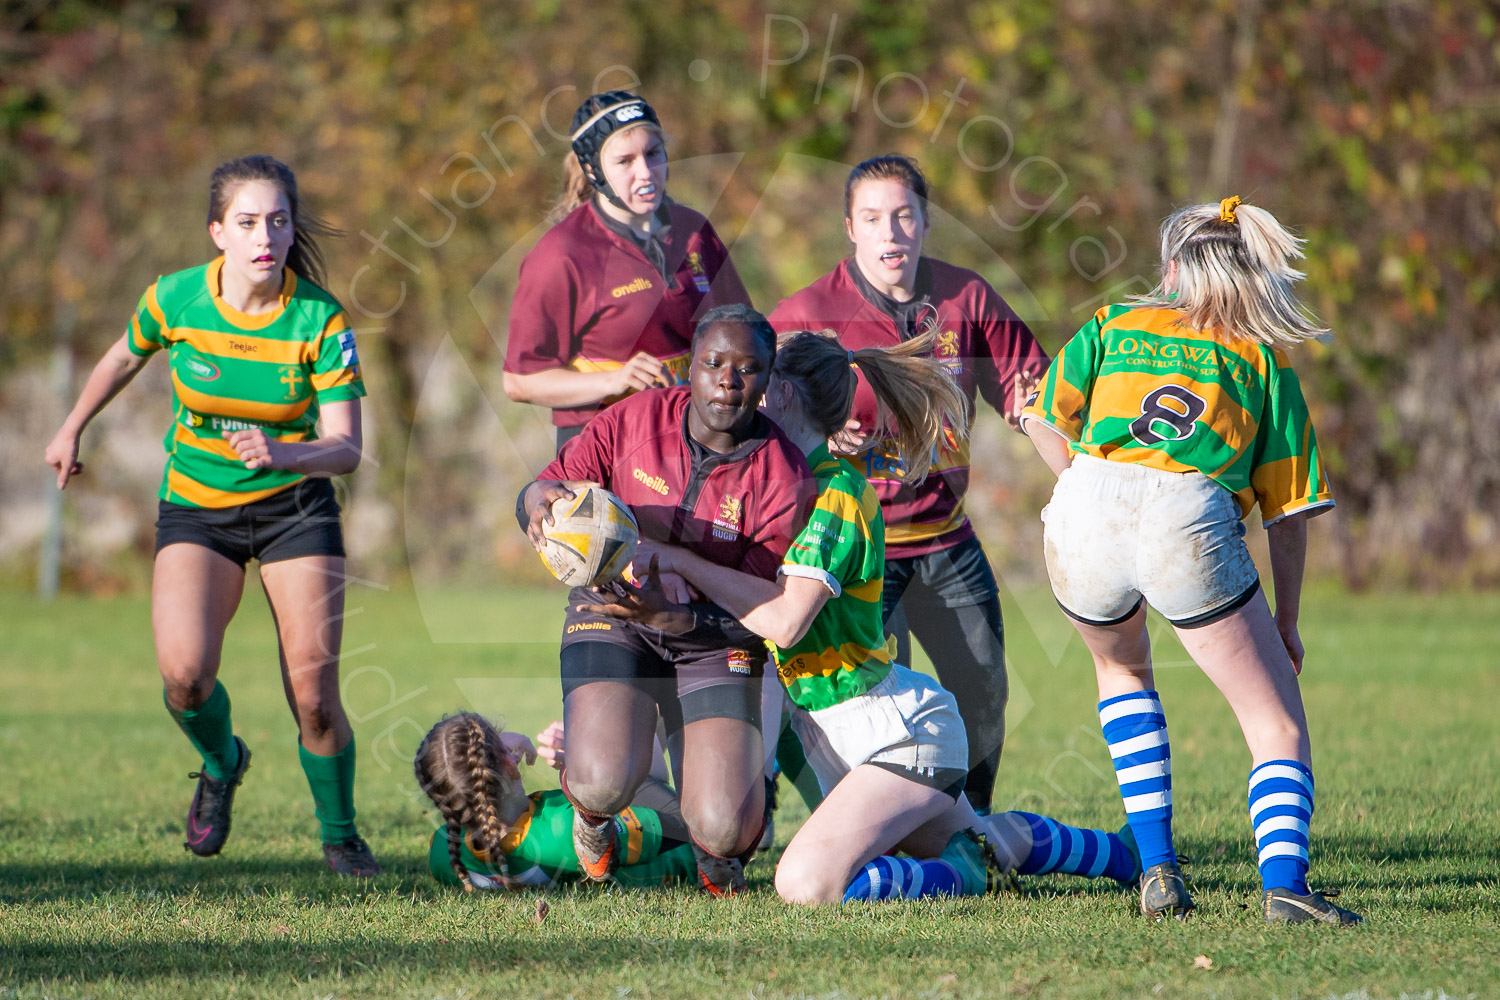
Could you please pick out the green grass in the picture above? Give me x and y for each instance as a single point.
(98, 899)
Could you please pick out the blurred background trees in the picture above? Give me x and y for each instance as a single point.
(1057, 136)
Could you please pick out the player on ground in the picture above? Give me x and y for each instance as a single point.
(260, 357)
(887, 744)
(700, 466)
(606, 302)
(1167, 419)
(495, 836)
(936, 570)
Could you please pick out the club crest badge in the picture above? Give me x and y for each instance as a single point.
(700, 276)
(727, 520)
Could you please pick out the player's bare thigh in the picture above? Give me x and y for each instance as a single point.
(194, 595)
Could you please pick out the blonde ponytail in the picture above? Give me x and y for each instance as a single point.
(1234, 274)
(576, 189)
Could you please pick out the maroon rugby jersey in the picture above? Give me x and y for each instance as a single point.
(981, 342)
(589, 299)
(741, 509)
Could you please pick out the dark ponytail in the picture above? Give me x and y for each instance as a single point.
(918, 398)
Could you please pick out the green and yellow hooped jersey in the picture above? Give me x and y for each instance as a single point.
(539, 849)
(233, 371)
(1138, 385)
(844, 652)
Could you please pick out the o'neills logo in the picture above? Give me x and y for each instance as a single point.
(638, 285)
(589, 627)
(656, 483)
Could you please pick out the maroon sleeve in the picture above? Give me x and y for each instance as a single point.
(591, 454)
(786, 317)
(780, 517)
(544, 313)
(725, 281)
(1005, 347)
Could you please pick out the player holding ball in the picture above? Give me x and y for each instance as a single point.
(1167, 420)
(699, 466)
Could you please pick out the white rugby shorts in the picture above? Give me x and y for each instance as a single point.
(907, 720)
(1117, 533)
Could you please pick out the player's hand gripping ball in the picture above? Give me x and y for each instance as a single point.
(591, 539)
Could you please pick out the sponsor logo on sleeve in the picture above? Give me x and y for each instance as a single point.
(346, 347)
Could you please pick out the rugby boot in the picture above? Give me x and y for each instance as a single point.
(1163, 893)
(208, 815)
(719, 876)
(598, 853)
(351, 857)
(970, 854)
(1285, 906)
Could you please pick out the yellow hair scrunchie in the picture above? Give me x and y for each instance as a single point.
(1227, 207)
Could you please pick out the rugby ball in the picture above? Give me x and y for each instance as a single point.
(591, 539)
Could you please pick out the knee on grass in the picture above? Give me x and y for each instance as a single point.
(721, 829)
(804, 881)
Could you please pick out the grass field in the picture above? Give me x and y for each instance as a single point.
(98, 898)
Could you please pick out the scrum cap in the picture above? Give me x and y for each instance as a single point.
(598, 118)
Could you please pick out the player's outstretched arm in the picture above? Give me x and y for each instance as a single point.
(560, 388)
(781, 610)
(113, 373)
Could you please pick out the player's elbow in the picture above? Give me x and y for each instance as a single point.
(515, 387)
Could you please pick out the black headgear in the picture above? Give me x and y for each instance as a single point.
(598, 118)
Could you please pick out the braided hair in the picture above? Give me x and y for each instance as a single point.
(459, 766)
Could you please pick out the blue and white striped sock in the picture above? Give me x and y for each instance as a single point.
(890, 877)
(1057, 847)
(1281, 806)
(1136, 731)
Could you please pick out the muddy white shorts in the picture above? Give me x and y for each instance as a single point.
(1118, 533)
(907, 724)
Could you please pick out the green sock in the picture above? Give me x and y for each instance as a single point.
(209, 730)
(332, 782)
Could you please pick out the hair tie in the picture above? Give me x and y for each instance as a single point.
(851, 357)
(1227, 207)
